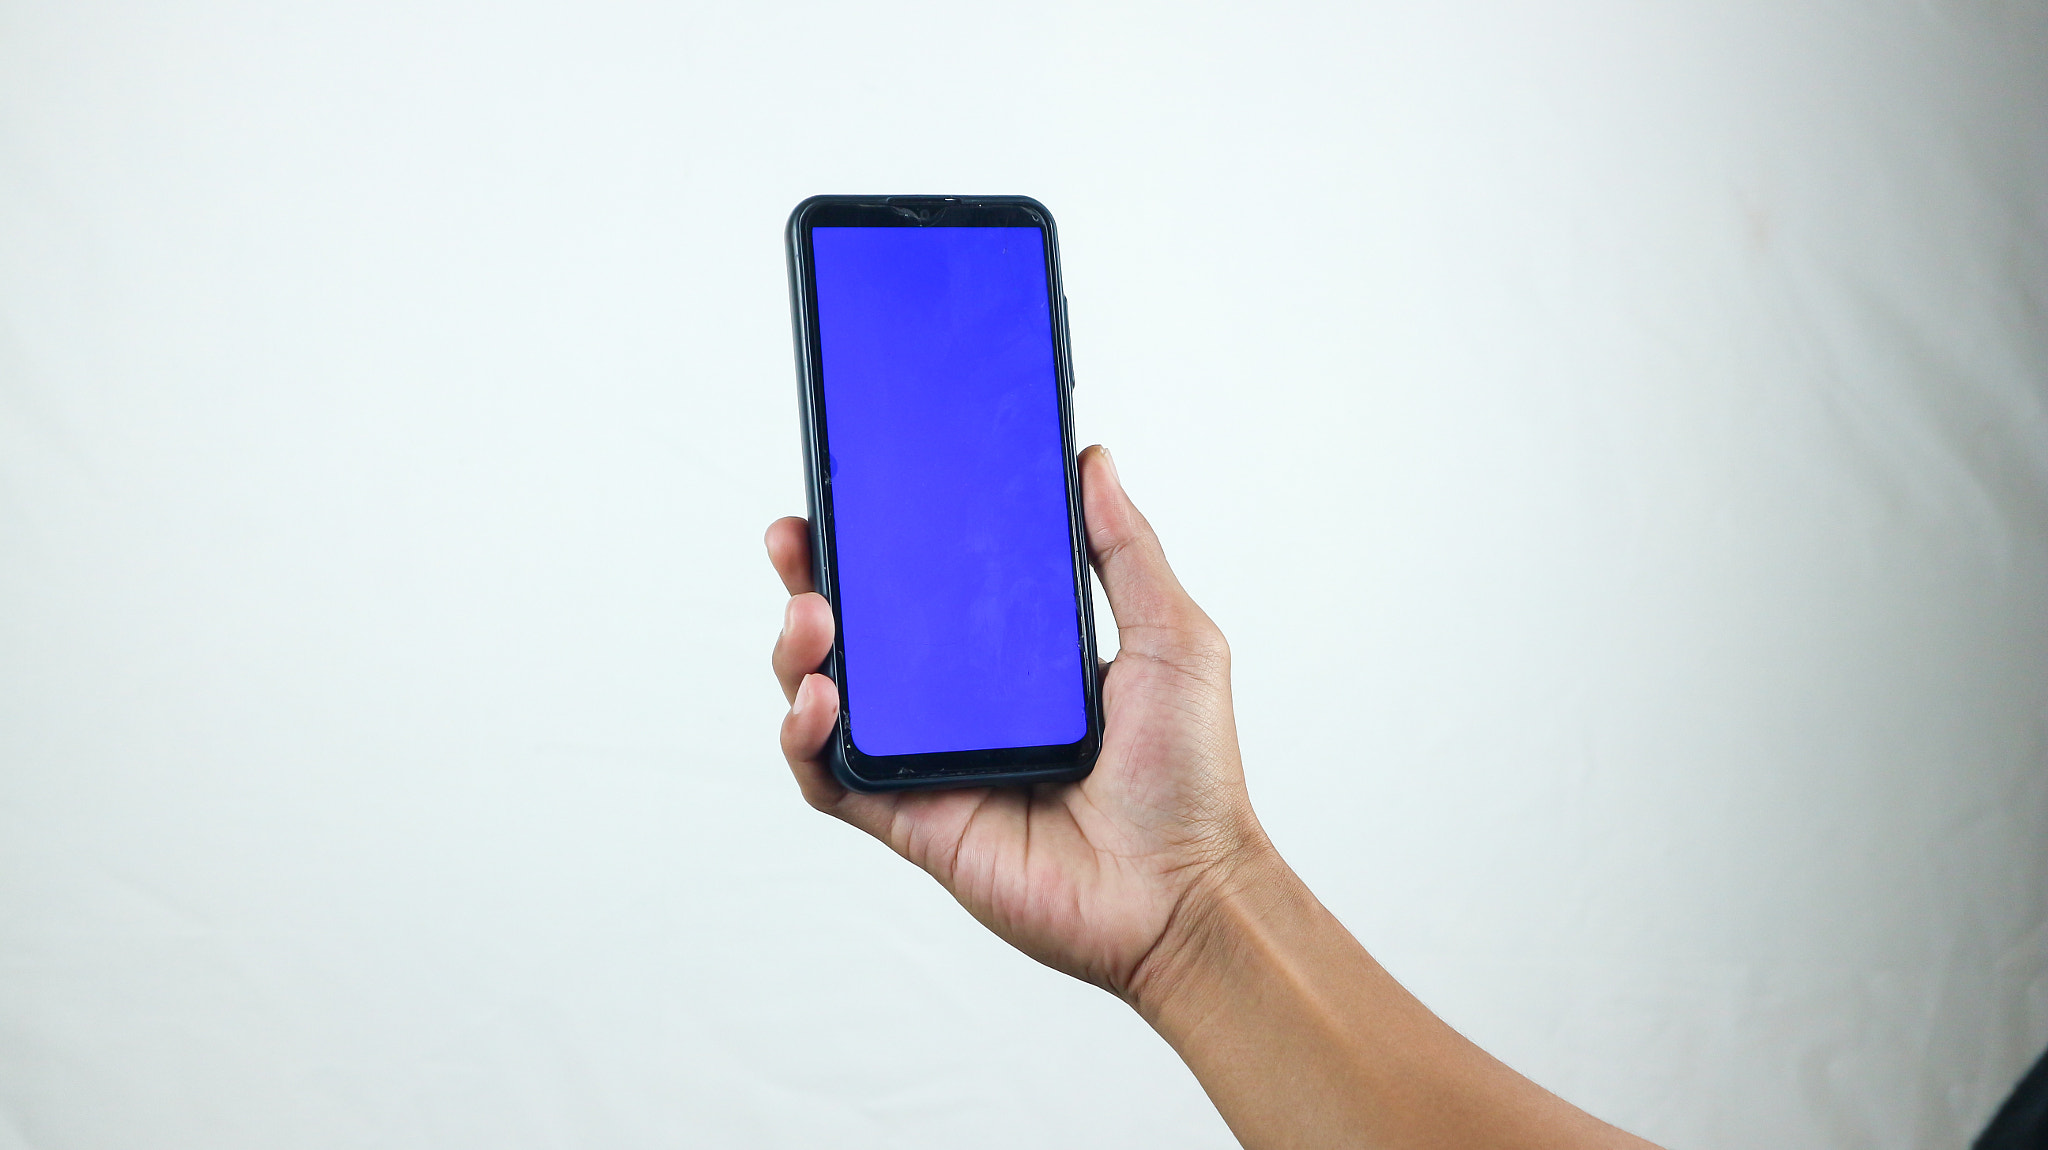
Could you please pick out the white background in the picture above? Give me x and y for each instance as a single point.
(1612, 436)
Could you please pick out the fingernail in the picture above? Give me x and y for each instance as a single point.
(803, 696)
(1111, 460)
(788, 616)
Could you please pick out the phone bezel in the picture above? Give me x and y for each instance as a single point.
(1000, 765)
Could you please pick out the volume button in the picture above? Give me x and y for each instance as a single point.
(1067, 335)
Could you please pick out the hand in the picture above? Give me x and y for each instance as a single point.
(1151, 877)
(1094, 877)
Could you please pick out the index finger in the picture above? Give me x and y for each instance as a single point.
(789, 548)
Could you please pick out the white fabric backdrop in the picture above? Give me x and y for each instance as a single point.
(1612, 435)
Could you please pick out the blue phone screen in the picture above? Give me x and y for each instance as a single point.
(956, 580)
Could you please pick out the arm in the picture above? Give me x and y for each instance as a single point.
(1301, 1039)
(1153, 879)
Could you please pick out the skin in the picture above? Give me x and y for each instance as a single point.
(1153, 879)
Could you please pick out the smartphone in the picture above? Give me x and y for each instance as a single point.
(937, 403)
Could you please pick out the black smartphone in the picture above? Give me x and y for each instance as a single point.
(937, 400)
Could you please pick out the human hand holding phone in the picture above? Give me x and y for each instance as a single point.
(1152, 878)
(1091, 878)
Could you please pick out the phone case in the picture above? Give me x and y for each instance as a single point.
(943, 769)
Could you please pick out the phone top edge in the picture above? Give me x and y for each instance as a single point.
(903, 210)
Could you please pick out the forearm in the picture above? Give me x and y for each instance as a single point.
(1302, 1040)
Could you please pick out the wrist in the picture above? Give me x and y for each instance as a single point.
(1219, 916)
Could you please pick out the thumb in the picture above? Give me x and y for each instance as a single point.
(1154, 615)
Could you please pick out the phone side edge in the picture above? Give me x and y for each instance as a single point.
(814, 473)
(1084, 596)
